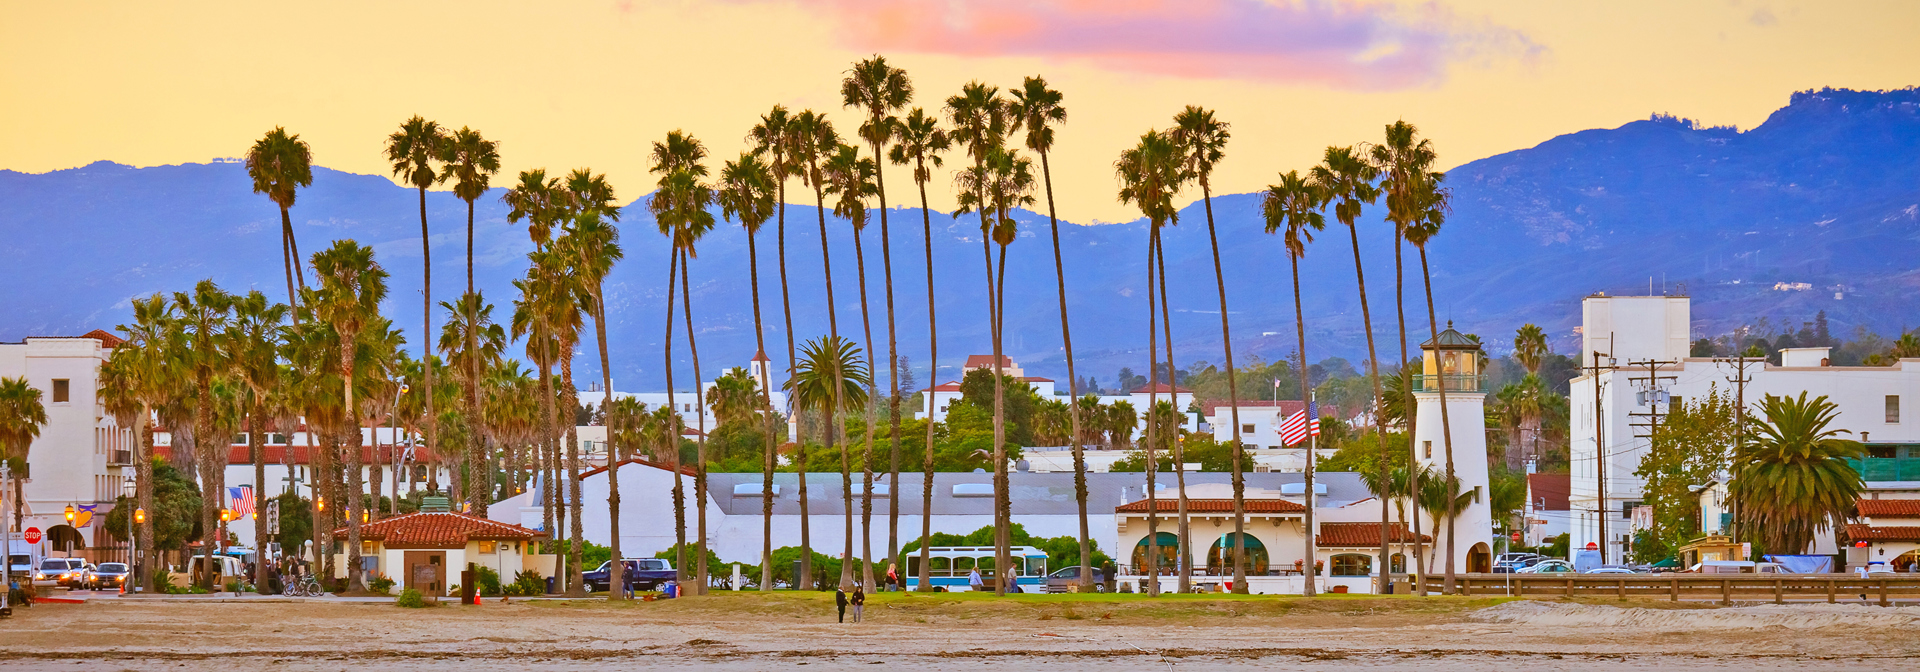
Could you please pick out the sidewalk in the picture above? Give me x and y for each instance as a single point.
(84, 596)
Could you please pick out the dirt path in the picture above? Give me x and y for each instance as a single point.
(1114, 634)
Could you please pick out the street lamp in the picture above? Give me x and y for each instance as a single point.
(129, 487)
(70, 514)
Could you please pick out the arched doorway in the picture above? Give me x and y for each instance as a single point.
(1169, 547)
(1905, 562)
(65, 539)
(1220, 557)
(1479, 559)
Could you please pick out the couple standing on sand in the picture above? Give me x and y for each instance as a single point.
(858, 600)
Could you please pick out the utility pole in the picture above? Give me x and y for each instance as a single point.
(1739, 380)
(1652, 394)
(1599, 449)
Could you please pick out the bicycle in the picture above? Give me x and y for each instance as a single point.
(305, 585)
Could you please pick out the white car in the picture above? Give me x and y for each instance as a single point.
(1609, 570)
(1548, 567)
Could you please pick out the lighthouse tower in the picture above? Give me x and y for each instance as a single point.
(1451, 369)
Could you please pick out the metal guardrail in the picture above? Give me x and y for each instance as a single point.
(1887, 468)
(1455, 382)
(1674, 587)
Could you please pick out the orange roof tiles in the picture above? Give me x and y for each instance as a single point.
(439, 530)
(1363, 535)
(1165, 505)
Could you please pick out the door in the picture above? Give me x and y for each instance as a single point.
(426, 571)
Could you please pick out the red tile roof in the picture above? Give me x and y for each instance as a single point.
(300, 454)
(1553, 488)
(1859, 532)
(986, 361)
(107, 340)
(1890, 508)
(1172, 505)
(1364, 535)
(948, 386)
(760, 356)
(1037, 379)
(439, 530)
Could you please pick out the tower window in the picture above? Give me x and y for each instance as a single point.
(61, 390)
(1428, 447)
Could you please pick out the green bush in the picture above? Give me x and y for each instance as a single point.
(411, 599)
(381, 584)
(163, 581)
(527, 583)
(233, 586)
(487, 581)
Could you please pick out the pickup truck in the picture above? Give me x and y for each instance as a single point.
(641, 574)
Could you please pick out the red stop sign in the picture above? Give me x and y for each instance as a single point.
(33, 535)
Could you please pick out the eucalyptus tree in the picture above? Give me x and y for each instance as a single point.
(593, 244)
(280, 163)
(352, 285)
(414, 150)
(471, 160)
(1037, 109)
(1150, 174)
(680, 207)
(149, 377)
(1346, 178)
(1292, 208)
(882, 90)
(850, 178)
(919, 140)
(746, 195)
(253, 346)
(204, 316)
(773, 138)
(1204, 140)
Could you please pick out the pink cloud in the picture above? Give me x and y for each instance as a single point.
(1357, 45)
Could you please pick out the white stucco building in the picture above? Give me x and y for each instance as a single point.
(82, 456)
(697, 409)
(938, 399)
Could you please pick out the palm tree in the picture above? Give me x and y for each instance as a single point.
(736, 397)
(540, 200)
(470, 161)
(413, 151)
(352, 285)
(147, 370)
(547, 313)
(832, 378)
(1122, 420)
(746, 195)
(1346, 179)
(471, 342)
(1428, 202)
(851, 178)
(1205, 140)
(1150, 175)
(593, 243)
(1792, 475)
(204, 315)
(281, 163)
(1398, 159)
(880, 89)
(253, 345)
(21, 415)
(1292, 208)
(811, 137)
(680, 208)
(1444, 499)
(774, 138)
(919, 140)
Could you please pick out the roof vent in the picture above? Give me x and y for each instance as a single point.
(1301, 488)
(973, 489)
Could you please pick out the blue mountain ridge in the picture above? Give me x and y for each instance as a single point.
(1825, 192)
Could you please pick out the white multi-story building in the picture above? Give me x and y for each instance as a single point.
(82, 455)
(697, 410)
(1641, 344)
(938, 399)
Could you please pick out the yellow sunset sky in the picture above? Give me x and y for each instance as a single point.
(592, 83)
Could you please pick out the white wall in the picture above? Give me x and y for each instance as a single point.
(72, 460)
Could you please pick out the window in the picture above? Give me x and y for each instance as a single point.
(1246, 429)
(61, 390)
(1428, 447)
(1893, 407)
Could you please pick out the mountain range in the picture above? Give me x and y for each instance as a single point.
(1817, 208)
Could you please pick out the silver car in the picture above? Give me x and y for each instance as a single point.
(1063, 580)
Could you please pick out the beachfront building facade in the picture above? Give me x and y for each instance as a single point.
(82, 458)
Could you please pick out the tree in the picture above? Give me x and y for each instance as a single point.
(1791, 476)
(881, 90)
(471, 161)
(593, 246)
(203, 317)
(850, 178)
(471, 343)
(813, 139)
(142, 372)
(746, 195)
(281, 163)
(680, 206)
(540, 201)
(21, 416)
(831, 379)
(352, 285)
(776, 138)
(1444, 500)
(253, 345)
(1293, 208)
(413, 150)
(1530, 346)
(1690, 446)
(919, 140)
(1429, 213)
(1150, 175)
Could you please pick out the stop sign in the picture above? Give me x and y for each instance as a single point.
(33, 535)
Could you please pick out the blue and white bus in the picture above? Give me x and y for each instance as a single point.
(951, 567)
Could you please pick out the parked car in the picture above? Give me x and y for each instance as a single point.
(1548, 566)
(1738, 567)
(1512, 562)
(58, 571)
(108, 576)
(641, 574)
(1611, 569)
(1064, 579)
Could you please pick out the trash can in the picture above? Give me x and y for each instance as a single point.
(673, 589)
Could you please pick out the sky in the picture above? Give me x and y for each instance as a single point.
(564, 85)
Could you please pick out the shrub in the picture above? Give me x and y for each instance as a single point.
(163, 581)
(527, 583)
(381, 584)
(411, 599)
(233, 586)
(486, 581)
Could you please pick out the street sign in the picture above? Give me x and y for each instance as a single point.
(273, 516)
(33, 535)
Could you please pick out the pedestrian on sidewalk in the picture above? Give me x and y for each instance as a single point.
(859, 602)
(893, 576)
(840, 600)
(973, 580)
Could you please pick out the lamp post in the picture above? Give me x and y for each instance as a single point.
(127, 488)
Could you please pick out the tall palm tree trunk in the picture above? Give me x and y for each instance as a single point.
(1312, 551)
(426, 293)
(700, 410)
(770, 446)
(839, 378)
(1413, 474)
(866, 495)
(617, 574)
(209, 479)
(356, 501)
(291, 250)
(1379, 424)
(1004, 568)
(893, 368)
(1073, 385)
(143, 489)
(549, 428)
(805, 579)
(1179, 448)
(1233, 401)
(479, 469)
(576, 533)
(671, 435)
(1153, 398)
(255, 451)
(933, 373)
(1446, 425)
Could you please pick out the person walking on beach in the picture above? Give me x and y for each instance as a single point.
(840, 600)
(859, 603)
(893, 575)
(973, 580)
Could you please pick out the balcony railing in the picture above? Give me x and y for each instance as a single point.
(1455, 382)
(1887, 468)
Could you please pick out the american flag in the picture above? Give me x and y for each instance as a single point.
(1301, 425)
(242, 501)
